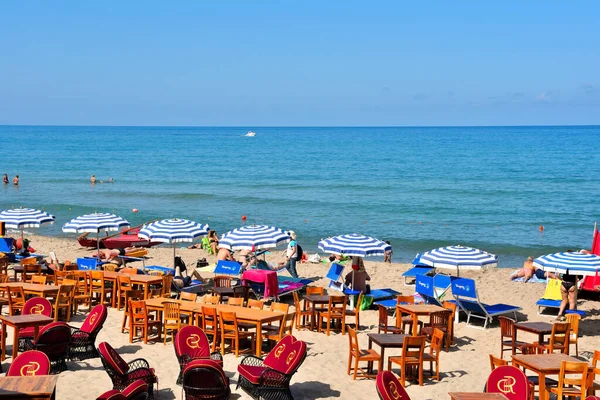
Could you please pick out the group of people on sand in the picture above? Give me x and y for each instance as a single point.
(15, 180)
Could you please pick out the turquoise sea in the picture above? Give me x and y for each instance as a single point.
(420, 188)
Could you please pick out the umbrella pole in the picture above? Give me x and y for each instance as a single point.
(174, 257)
(98, 245)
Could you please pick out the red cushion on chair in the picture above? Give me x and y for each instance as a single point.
(95, 318)
(37, 305)
(112, 395)
(114, 359)
(142, 373)
(592, 397)
(26, 332)
(192, 341)
(30, 363)
(510, 381)
(135, 388)
(286, 355)
(252, 373)
(389, 387)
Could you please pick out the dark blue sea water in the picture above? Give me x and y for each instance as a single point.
(420, 188)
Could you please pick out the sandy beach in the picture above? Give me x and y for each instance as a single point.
(323, 374)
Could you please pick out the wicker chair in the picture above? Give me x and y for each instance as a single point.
(83, 339)
(204, 379)
(53, 340)
(191, 343)
(30, 363)
(35, 305)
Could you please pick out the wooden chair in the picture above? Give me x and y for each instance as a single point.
(210, 324)
(412, 356)
(39, 279)
(274, 333)
(534, 380)
(508, 336)
(223, 281)
(64, 300)
(356, 312)
(438, 320)
(134, 295)
(82, 293)
(255, 304)
(383, 322)
(16, 299)
(594, 386)
(166, 285)
(496, 362)
(279, 307)
(235, 301)
(573, 320)
(172, 319)
(59, 276)
(359, 355)
(230, 331)
(336, 311)
(434, 352)
(110, 267)
(569, 385)
(187, 296)
(405, 321)
(99, 286)
(317, 290)
(212, 299)
(559, 339)
(129, 271)
(140, 319)
(29, 271)
(123, 286)
(453, 307)
(301, 314)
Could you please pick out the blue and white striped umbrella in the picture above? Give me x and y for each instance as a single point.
(459, 257)
(173, 230)
(21, 218)
(574, 263)
(254, 237)
(97, 222)
(354, 245)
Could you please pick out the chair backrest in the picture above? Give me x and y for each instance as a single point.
(187, 296)
(496, 362)
(241, 292)
(39, 279)
(130, 271)
(334, 273)
(383, 315)
(37, 305)
(573, 374)
(193, 342)
(228, 322)
(95, 319)
(137, 311)
(171, 311)
(359, 301)
(414, 346)
(211, 299)
(30, 363)
(53, 339)
(559, 338)
(257, 304)
(389, 387)
(286, 356)
(124, 282)
(510, 381)
(6, 245)
(228, 268)
(464, 287)
(315, 290)
(353, 341)
(112, 358)
(573, 320)
(437, 338)
(552, 291)
(3, 276)
(223, 281)
(530, 349)
(87, 264)
(110, 267)
(452, 306)
(136, 390)
(205, 374)
(405, 300)
(210, 319)
(235, 301)
(15, 296)
(440, 319)
(28, 261)
(166, 285)
(424, 286)
(596, 367)
(65, 292)
(279, 307)
(507, 327)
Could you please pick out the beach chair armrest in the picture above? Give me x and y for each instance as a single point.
(216, 356)
(253, 361)
(273, 378)
(137, 364)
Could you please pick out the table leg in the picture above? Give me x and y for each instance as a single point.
(113, 294)
(370, 363)
(313, 317)
(145, 290)
(15, 350)
(382, 358)
(3, 357)
(415, 324)
(542, 386)
(258, 339)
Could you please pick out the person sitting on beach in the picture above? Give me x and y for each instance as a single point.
(213, 240)
(16, 180)
(358, 277)
(224, 254)
(5, 179)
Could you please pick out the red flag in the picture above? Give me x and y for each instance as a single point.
(596, 241)
(253, 247)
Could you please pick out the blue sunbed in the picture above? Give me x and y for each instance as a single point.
(164, 270)
(467, 298)
(227, 268)
(416, 271)
(6, 247)
(87, 264)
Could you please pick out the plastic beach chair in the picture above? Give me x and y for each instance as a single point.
(433, 288)
(87, 264)
(227, 268)
(418, 269)
(467, 298)
(552, 296)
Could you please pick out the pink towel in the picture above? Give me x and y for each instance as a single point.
(269, 278)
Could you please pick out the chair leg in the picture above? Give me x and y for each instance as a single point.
(420, 367)
(349, 362)
(355, 367)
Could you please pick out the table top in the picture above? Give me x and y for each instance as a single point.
(184, 305)
(476, 396)
(31, 287)
(549, 363)
(534, 327)
(26, 320)
(317, 298)
(40, 386)
(19, 268)
(134, 277)
(387, 339)
(420, 308)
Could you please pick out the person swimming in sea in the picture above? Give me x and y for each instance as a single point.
(16, 180)
(5, 179)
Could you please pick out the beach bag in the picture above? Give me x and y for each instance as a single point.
(201, 263)
(299, 252)
(315, 258)
(366, 303)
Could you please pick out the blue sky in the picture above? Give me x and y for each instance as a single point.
(253, 63)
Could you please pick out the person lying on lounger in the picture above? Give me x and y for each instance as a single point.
(529, 270)
(112, 255)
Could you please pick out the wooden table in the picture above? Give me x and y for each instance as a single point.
(28, 387)
(34, 288)
(476, 396)
(136, 279)
(384, 341)
(20, 269)
(539, 328)
(222, 291)
(243, 314)
(542, 364)
(19, 322)
(315, 299)
(416, 310)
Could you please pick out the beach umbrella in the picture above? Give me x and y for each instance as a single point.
(354, 245)
(96, 222)
(173, 231)
(457, 257)
(574, 263)
(254, 237)
(21, 218)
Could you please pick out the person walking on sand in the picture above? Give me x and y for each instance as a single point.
(387, 257)
(292, 256)
(5, 179)
(16, 180)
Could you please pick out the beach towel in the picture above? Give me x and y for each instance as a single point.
(533, 279)
(269, 278)
(552, 290)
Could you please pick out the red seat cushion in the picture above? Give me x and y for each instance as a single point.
(26, 332)
(135, 388)
(389, 387)
(252, 373)
(286, 355)
(113, 358)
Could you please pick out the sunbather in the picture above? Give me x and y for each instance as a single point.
(225, 254)
(112, 255)
(529, 270)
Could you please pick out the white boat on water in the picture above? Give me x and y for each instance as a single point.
(251, 134)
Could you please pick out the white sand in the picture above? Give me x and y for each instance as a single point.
(323, 373)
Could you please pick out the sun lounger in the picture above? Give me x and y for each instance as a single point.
(87, 264)
(433, 288)
(334, 275)
(467, 298)
(164, 270)
(6, 247)
(416, 271)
